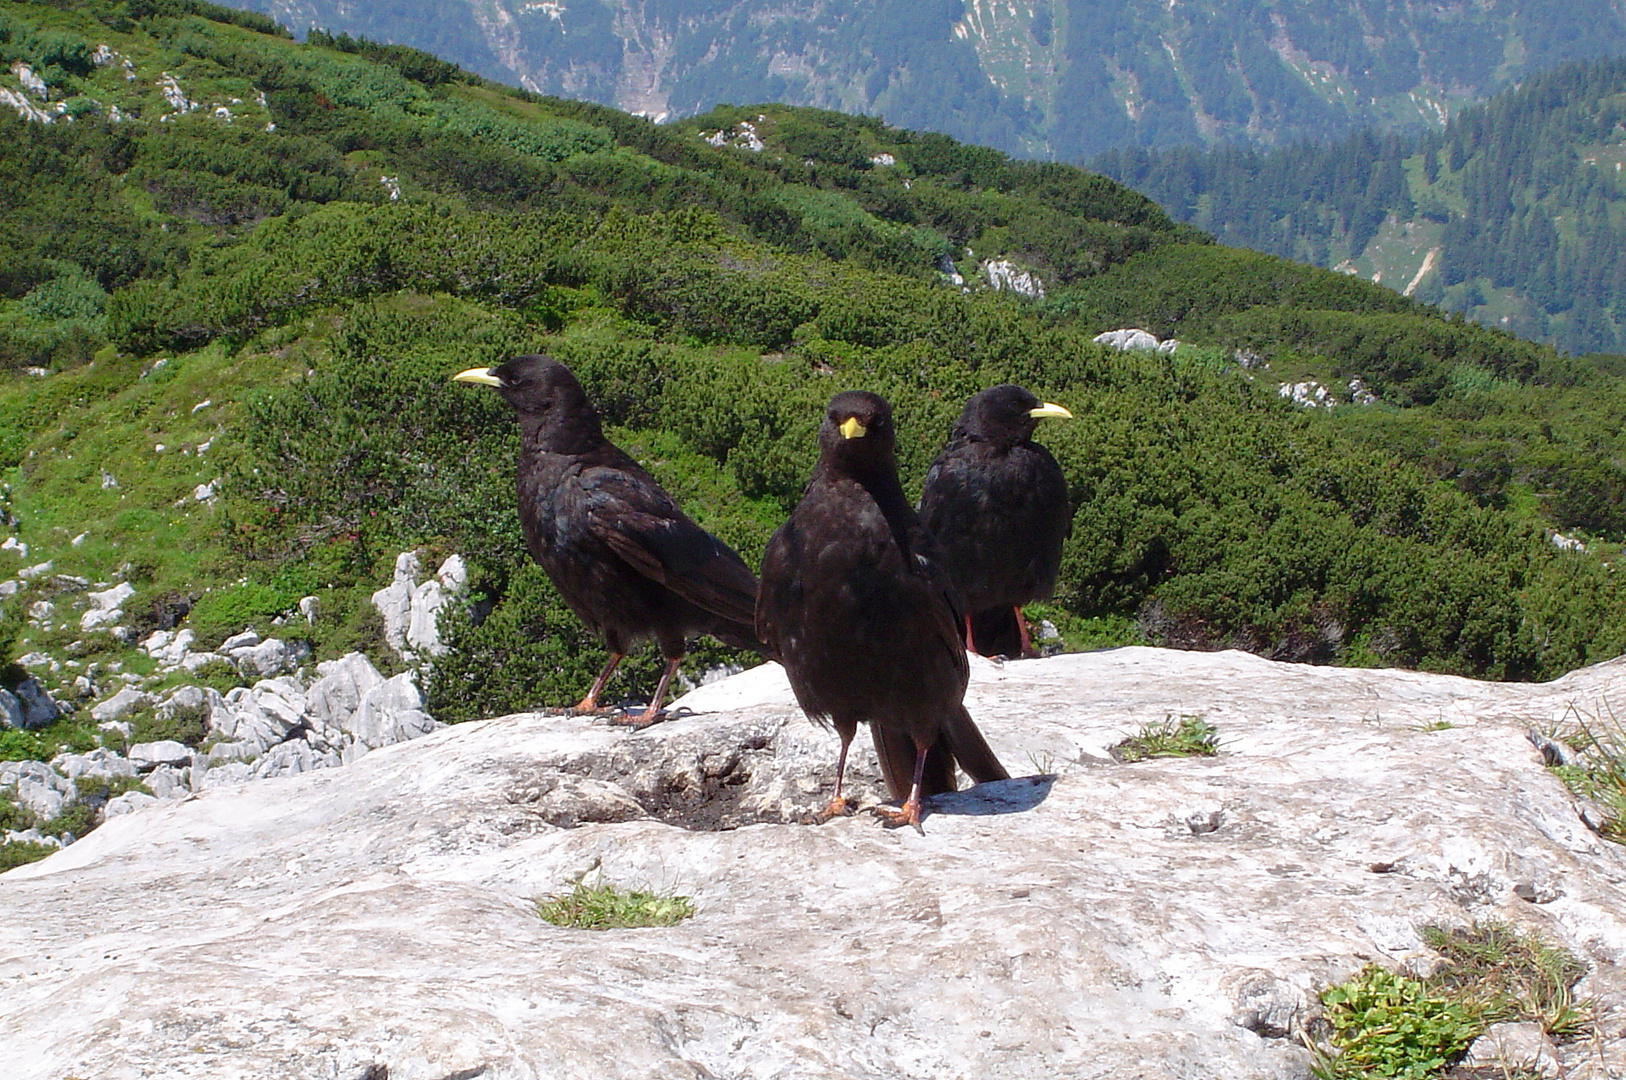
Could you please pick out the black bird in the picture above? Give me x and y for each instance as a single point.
(854, 603)
(629, 563)
(996, 502)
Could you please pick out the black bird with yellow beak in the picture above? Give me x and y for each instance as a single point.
(856, 605)
(996, 502)
(625, 559)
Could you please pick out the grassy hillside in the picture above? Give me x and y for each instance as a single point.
(252, 265)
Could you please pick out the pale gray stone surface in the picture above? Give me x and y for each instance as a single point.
(1071, 924)
(1507, 1047)
(98, 762)
(150, 755)
(37, 787)
(11, 710)
(127, 701)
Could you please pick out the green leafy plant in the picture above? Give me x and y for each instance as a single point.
(1186, 736)
(604, 907)
(1388, 1025)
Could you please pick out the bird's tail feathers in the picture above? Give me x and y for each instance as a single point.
(965, 742)
(896, 751)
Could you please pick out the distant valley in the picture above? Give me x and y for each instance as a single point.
(1050, 79)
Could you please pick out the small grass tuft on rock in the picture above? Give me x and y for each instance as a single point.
(1509, 977)
(604, 907)
(1186, 736)
(1598, 769)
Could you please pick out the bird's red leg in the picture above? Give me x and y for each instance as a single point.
(837, 806)
(909, 812)
(970, 643)
(589, 704)
(1028, 651)
(653, 713)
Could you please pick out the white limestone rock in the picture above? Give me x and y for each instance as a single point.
(100, 762)
(271, 657)
(410, 610)
(1070, 924)
(334, 697)
(11, 710)
(225, 774)
(390, 712)
(169, 781)
(127, 803)
(106, 606)
(394, 601)
(37, 787)
(1509, 1048)
(126, 702)
(1004, 274)
(1129, 338)
(165, 752)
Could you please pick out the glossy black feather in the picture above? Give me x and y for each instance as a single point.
(855, 603)
(622, 554)
(997, 503)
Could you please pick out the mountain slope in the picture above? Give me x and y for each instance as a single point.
(1514, 215)
(1057, 79)
(231, 312)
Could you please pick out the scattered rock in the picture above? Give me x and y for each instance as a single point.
(150, 755)
(106, 606)
(126, 702)
(1514, 1047)
(410, 610)
(38, 788)
(1135, 339)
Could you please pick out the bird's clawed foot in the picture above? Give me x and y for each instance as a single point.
(907, 814)
(836, 807)
(637, 721)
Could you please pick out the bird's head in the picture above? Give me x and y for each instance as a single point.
(857, 430)
(1005, 414)
(550, 402)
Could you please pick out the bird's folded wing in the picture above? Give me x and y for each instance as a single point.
(652, 536)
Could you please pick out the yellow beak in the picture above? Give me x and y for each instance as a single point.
(1047, 409)
(852, 429)
(480, 375)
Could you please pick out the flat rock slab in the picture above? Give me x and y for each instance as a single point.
(1169, 918)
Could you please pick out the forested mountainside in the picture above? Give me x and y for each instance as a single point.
(1514, 214)
(239, 271)
(1051, 79)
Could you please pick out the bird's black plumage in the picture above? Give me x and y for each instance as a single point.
(854, 603)
(996, 501)
(621, 553)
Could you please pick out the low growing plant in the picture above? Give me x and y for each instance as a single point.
(604, 907)
(1388, 1025)
(1186, 736)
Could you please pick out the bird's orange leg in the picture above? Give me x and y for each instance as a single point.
(837, 806)
(909, 812)
(589, 704)
(652, 714)
(1028, 651)
(970, 642)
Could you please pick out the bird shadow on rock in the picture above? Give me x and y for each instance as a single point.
(994, 797)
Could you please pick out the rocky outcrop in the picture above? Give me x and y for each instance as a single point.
(411, 608)
(1167, 919)
(1135, 339)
